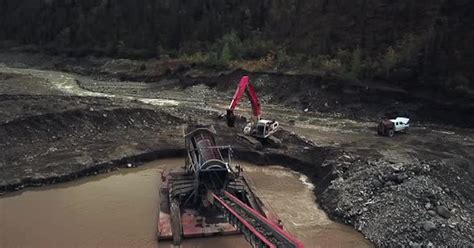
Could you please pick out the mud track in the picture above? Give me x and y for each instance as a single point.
(413, 190)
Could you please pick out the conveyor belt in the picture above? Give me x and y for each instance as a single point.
(258, 230)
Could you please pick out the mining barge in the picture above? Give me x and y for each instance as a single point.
(209, 196)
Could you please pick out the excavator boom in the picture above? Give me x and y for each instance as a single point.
(244, 86)
(256, 128)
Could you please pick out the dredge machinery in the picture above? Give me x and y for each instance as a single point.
(210, 196)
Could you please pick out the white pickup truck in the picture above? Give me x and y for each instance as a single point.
(388, 126)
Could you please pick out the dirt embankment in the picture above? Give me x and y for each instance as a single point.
(326, 94)
(338, 97)
(52, 136)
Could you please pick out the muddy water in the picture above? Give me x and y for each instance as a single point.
(120, 210)
(290, 196)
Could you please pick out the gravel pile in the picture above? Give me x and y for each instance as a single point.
(395, 204)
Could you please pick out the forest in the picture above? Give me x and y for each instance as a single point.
(426, 42)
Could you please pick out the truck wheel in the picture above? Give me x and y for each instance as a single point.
(390, 133)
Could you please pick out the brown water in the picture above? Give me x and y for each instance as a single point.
(120, 210)
(290, 195)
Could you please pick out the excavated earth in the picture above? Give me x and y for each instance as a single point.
(64, 118)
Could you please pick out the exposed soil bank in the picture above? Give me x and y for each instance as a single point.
(361, 100)
(59, 146)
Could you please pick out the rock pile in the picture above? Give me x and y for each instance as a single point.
(395, 204)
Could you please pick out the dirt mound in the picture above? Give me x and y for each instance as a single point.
(402, 204)
(15, 106)
(81, 123)
(57, 145)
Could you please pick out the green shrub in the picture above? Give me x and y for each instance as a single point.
(213, 59)
(345, 56)
(391, 58)
(332, 65)
(198, 58)
(282, 57)
(255, 47)
(229, 47)
(226, 54)
(356, 64)
(409, 49)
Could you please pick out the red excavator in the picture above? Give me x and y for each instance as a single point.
(257, 128)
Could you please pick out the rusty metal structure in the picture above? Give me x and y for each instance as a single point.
(209, 196)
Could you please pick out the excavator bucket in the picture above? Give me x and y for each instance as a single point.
(230, 118)
(243, 87)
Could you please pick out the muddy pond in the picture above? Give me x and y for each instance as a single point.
(120, 210)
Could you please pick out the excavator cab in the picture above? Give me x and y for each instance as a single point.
(265, 128)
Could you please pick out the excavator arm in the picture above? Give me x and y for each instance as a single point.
(244, 86)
